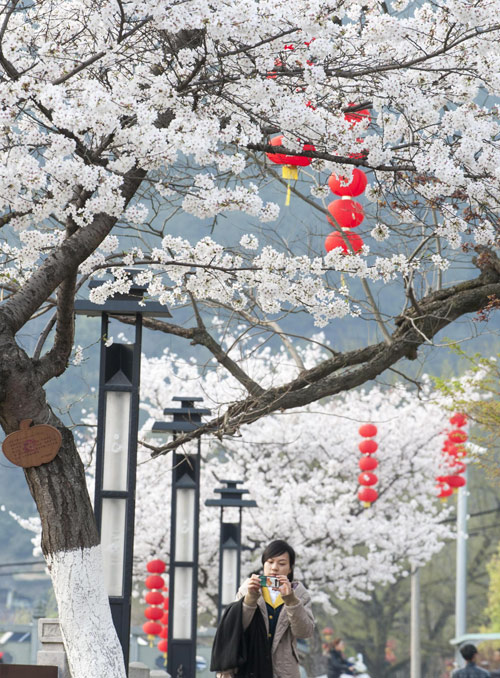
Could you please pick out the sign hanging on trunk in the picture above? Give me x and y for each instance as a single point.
(32, 445)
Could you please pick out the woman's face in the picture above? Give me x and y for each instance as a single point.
(278, 565)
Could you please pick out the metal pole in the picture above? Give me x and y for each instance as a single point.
(415, 656)
(461, 574)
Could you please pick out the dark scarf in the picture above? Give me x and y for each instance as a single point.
(248, 651)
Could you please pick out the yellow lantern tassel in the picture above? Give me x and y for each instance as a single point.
(289, 172)
(367, 504)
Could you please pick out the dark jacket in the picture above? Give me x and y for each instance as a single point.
(337, 664)
(233, 648)
(471, 671)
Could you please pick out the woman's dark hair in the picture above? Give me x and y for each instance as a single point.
(277, 548)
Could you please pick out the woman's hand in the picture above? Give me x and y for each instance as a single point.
(253, 590)
(285, 587)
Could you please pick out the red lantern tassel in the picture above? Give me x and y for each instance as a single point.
(289, 172)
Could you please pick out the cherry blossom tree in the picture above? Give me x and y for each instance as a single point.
(302, 469)
(117, 116)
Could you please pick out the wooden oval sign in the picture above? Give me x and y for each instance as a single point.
(32, 445)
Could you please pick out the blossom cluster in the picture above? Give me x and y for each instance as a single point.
(81, 110)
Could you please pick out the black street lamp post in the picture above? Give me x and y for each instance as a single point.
(116, 448)
(230, 539)
(184, 529)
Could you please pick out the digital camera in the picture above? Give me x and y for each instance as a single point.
(269, 582)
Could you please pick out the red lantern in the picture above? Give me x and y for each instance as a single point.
(153, 613)
(151, 628)
(459, 467)
(366, 479)
(154, 581)
(444, 491)
(166, 603)
(346, 212)
(358, 184)
(293, 160)
(367, 463)
(336, 240)
(155, 567)
(454, 481)
(289, 162)
(368, 446)
(458, 419)
(154, 598)
(357, 116)
(457, 436)
(163, 646)
(367, 495)
(164, 632)
(367, 430)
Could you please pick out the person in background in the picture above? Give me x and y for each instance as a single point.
(271, 620)
(496, 659)
(337, 664)
(470, 670)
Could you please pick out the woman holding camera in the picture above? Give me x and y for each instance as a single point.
(258, 633)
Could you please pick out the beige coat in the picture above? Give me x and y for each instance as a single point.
(295, 621)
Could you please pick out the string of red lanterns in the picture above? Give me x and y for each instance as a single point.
(454, 452)
(346, 212)
(155, 583)
(163, 643)
(367, 494)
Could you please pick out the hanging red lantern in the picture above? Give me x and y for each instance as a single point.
(368, 446)
(457, 436)
(164, 632)
(367, 463)
(154, 598)
(151, 629)
(454, 481)
(164, 619)
(367, 495)
(163, 646)
(367, 430)
(366, 479)
(339, 185)
(166, 603)
(458, 419)
(357, 116)
(346, 212)
(444, 491)
(153, 613)
(290, 162)
(336, 239)
(155, 567)
(154, 581)
(459, 467)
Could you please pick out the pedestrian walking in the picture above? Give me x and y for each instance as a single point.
(258, 633)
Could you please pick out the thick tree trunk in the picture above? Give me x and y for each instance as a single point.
(70, 541)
